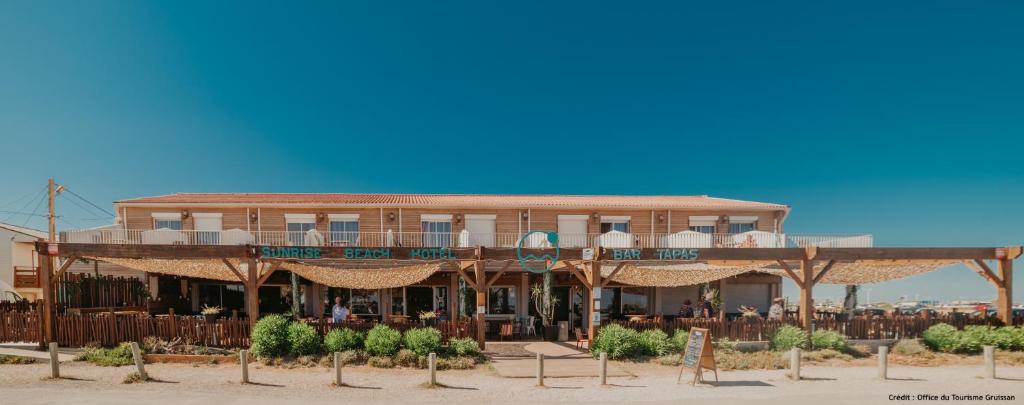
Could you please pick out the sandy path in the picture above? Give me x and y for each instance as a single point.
(184, 384)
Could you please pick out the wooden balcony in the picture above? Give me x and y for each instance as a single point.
(26, 277)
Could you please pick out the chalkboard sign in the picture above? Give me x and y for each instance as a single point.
(698, 355)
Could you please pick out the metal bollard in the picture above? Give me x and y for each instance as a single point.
(883, 362)
(337, 369)
(540, 369)
(794, 363)
(54, 362)
(432, 360)
(243, 358)
(604, 368)
(137, 355)
(990, 361)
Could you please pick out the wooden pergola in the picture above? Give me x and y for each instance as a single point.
(806, 266)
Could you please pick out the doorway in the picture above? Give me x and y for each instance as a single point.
(419, 299)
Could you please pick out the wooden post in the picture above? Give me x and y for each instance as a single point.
(137, 356)
(883, 362)
(172, 320)
(54, 361)
(794, 363)
(252, 295)
(594, 306)
(990, 361)
(432, 363)
(806, 294)
(1004, 297)
(540, 369)
(604, 368)
(243, 359)
(337, 369)
(46, 281)
(481, 302)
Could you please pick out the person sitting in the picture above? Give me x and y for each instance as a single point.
(776, 311)
(686, 311)
(339, 313)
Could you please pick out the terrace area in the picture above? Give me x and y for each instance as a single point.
(464, 239)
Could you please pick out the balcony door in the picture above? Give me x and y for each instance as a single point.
(572, 231)
(481, 230)
(208, 227)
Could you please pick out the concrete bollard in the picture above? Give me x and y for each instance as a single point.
(54, 361)
(604, 368)
(990, 361)
(243, 359)
(337, 369)
(432, 363)
(137, 355)
(794, 363)
(883, 362)
(540, 369)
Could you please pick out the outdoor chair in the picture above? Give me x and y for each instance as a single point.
(506, 331)
(580, 338)
(531, 329)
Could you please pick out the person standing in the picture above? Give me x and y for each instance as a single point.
(776, 311)
(339, 312)
(706, 307)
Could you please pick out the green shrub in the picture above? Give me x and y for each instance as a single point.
(679, 340)
(118, 356)
(1010, 338)
(407, 358)
(423, 341)
(617, 341)
(463, 347)
(828, 339)
(909, 347)
(653, 342)
(302, 339)
(344, 339)
(383, 341)
(941, 337)
(270, 336)
(456, 363)
(353, 357)
(788, 337)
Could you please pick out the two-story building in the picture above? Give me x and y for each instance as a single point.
(444, 220)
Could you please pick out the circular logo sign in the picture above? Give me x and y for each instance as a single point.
(538, 239)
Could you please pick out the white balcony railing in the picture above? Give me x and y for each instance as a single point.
(614, 239)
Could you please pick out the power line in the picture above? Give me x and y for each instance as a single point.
(89, 211)
(15, 213)
(34, 210)
(42, 193)
(89, 202)
(15, 201)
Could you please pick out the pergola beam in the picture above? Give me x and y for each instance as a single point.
(605, 281)
(824, 271)
(980, 267)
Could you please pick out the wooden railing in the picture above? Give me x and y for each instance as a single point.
(26, 277)
(20, 321)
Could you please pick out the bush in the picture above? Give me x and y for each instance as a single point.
(1010, 338)
(653, 342)
(407, 358)
(456, 363)
(828, 339)
(270, 336)
(118, 356)
(381, 362)
(788, 337)
(617, 341)
(423, 341)
(679, 340)
(908, 347)
(302, 339)
(383, 341)
(941, 337)
(344, 339)
(463, 347)
(353, 357)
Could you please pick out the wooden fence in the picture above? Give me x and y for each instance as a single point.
(903, 327)
(83, 290)
(20, 323)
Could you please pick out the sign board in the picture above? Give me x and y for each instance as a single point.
(481, 309)
(698, 355)
(51, 249)
(588, 254)
(597, 293)
(596, 318)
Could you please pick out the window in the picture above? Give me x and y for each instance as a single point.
(167, 220)
(230, 296)
(365, 302)
(398, 301)
(501, 300)
(208, 227)
(297, 226)
(634, 300)
(437, 230)
(703, 224)
(738, 224)
(611, 302)
(620, 224)
(344, 229)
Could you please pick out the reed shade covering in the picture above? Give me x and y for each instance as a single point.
(213, 269)
(867, 271)
(365, 279)
(676, 275)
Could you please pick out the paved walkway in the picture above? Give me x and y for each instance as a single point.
(30, 350)
(560, 360)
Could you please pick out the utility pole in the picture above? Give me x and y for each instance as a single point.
(52, 217)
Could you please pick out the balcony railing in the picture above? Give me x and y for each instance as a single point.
(26, 277)
(614, 239)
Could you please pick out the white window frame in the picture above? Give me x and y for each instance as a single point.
(166, 217)
(435, 217)
(743, 219)
(616, 219)
(300, 218)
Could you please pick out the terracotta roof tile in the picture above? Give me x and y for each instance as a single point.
(457, 200)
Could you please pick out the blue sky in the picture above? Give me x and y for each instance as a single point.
(904, 120)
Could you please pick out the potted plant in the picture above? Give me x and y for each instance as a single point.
(210, 313)
(749, 313)
(429, 318)
(545, 305)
